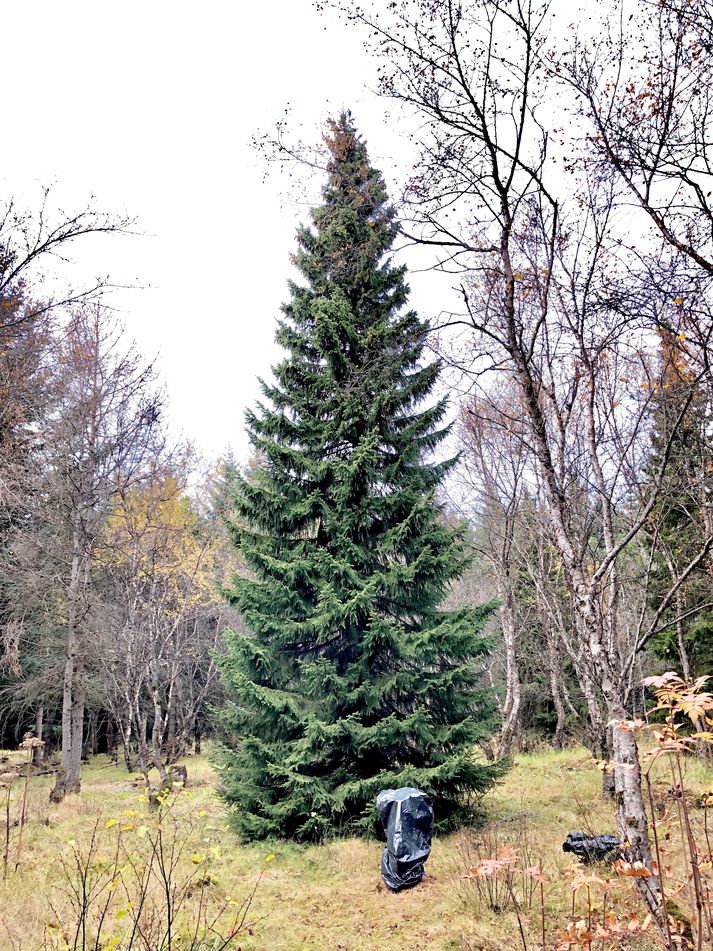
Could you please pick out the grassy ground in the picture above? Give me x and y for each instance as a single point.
(319, 897)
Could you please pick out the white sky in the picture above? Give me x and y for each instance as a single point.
(151, 106)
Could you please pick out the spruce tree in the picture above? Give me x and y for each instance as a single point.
(349, 678)
(680, 428)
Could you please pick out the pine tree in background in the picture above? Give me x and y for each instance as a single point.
(681, 518)
(350, 678)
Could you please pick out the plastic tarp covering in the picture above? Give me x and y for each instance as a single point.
(592, 848)
(407, 817)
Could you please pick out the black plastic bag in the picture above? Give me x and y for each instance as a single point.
(592, 848)
(407, 817)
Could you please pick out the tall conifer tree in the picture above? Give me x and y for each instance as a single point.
(679, 520)
(349, 678)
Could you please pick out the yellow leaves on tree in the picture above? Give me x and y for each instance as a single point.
(155, 537)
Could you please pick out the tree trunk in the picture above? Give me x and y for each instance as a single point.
(39, 724)
(128, 761)
(608, 754)
(631, 812)
(125, 724)
(556, 694)
(72, 691)
(600, 737)
(48, 748)
(142, 747)
(172, 743)
(157, 736)
(112, 750)
(74, 765)
(632, 822)
(72, 724)
(91, 742)
(511, 708)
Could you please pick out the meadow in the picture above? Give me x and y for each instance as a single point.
(96, 848)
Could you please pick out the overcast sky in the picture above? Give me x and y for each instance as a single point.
(151, 108)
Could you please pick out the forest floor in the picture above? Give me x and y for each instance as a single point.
(321, 898)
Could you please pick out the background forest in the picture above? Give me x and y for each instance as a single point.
(463, 536)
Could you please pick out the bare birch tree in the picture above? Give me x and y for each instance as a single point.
(495, 465)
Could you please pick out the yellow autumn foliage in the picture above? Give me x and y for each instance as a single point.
(156, 537)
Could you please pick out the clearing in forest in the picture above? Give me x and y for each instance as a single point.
(322, 897)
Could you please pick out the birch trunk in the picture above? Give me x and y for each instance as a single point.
(157, 736)
(511, 707)
(142, 747)
(632, 822)
(125, 730)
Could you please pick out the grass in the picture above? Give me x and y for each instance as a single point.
(330, 897)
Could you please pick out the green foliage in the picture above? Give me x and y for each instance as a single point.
(349, 679)
(678, 521)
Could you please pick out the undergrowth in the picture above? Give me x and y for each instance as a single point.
(103, 869)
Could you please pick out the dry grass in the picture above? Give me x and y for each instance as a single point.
(326, 898)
